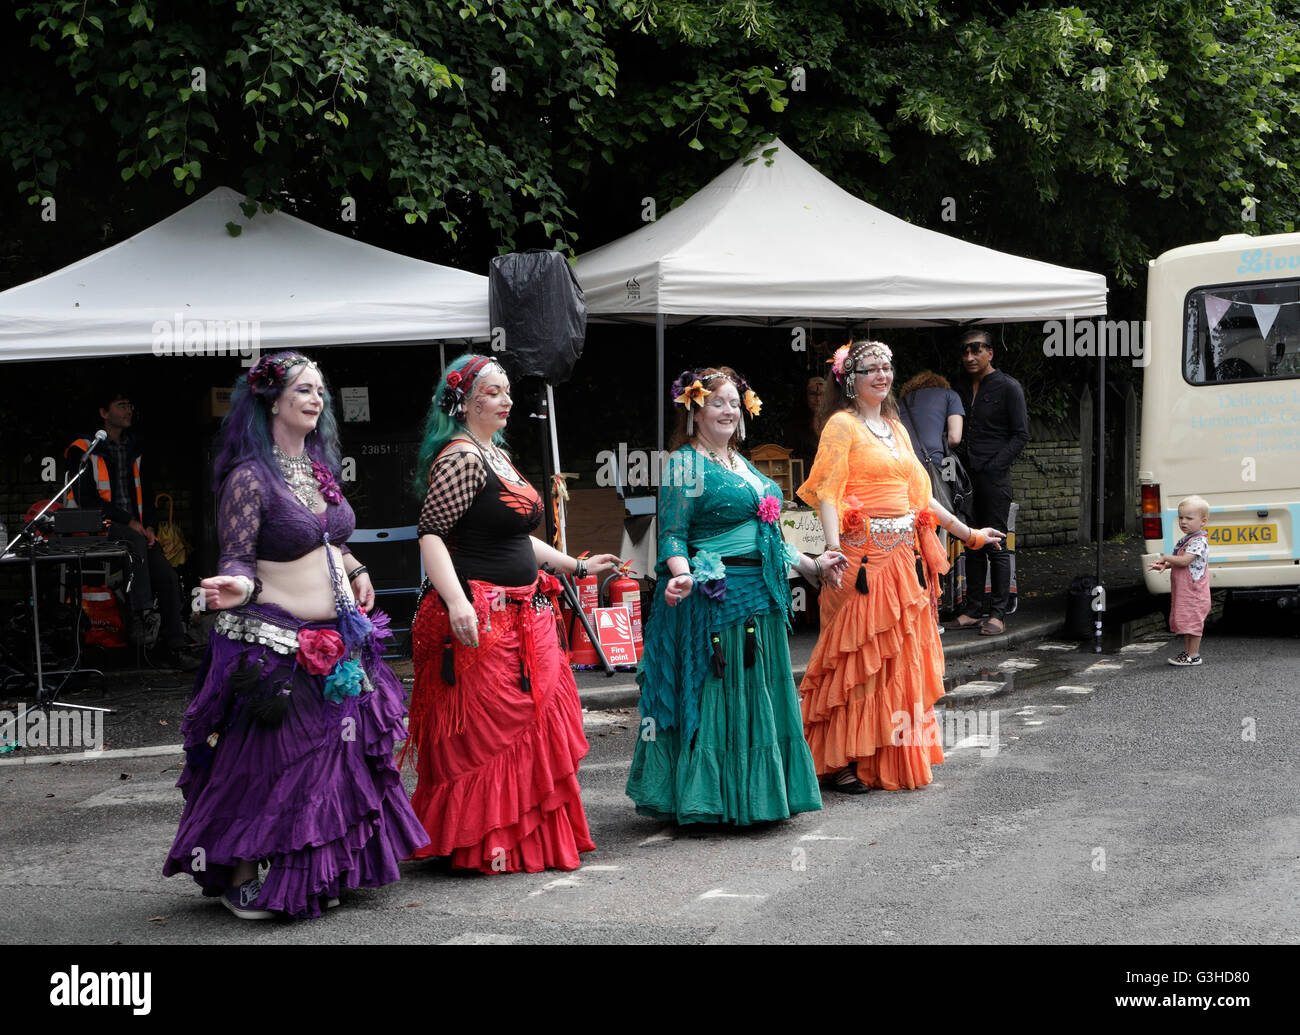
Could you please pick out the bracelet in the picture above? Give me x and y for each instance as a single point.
(818, 564)
(360, 569)
(249, 587)
(579, 568)
(976, 540)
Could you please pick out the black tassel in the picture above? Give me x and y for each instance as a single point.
(266, 709)
(861, 582)
(751, 643)
(719, 664)
(920, 573)
(448, 662)
(271, 709)
(525, 684)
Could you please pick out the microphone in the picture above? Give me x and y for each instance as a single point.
(100, 435)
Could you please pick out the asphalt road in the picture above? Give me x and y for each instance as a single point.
(1086, 798)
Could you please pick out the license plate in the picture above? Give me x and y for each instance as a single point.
(1241, 535)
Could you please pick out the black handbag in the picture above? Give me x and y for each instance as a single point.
(949, 481)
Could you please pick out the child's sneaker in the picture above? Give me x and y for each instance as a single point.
(1182, 660)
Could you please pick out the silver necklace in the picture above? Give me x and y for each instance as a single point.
(494, 457)
(300, 478)
(886, 439)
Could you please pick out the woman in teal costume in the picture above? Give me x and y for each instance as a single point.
(721, 738)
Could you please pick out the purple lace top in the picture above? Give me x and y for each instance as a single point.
(257, 522)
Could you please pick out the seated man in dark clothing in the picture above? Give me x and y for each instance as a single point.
(115, 485)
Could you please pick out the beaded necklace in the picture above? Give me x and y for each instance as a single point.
(300, 478)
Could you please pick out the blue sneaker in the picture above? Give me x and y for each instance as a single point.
(242, 901)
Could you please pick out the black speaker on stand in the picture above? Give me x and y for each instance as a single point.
(539, 325)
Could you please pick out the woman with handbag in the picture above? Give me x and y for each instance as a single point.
(933, 415)
(877, 669)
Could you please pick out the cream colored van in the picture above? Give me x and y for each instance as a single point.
(1221, 409)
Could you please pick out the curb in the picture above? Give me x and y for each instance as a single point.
(627, 695)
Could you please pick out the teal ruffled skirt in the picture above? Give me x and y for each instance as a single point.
(748, 761)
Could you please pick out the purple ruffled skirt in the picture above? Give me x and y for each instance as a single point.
(318, 795)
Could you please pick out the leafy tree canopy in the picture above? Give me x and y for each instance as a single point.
(1094, 135)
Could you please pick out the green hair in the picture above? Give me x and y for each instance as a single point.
(439, 427)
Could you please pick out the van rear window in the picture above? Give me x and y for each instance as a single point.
(1242, 332)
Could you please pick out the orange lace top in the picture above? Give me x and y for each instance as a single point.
(851, 461)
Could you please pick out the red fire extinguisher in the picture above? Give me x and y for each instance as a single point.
(582, 653)
(625, 591)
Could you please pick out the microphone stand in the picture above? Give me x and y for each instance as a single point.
(44, 696)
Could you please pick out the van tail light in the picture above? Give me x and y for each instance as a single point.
(1152, 526)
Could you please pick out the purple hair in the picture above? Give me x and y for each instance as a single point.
(245, 435)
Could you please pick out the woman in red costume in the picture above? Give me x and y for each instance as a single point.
(496, 724)
(869, 689)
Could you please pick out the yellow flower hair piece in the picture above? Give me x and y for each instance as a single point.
(753, 404)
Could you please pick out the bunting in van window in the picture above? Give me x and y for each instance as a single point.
(1265, 314)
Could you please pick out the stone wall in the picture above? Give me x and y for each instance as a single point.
(1046, 482)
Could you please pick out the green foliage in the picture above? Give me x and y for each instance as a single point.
(1095, 135)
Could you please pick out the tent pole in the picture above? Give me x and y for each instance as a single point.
(555, 461)
(660, 401)
(1100, 490)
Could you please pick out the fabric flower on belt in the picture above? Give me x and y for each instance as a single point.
(347, 680)
(852, 520)
(710, 574)
(319, 650)
(753, 404)
(925, 518)
(769, 509)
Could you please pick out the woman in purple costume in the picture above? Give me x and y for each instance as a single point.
(289, 736)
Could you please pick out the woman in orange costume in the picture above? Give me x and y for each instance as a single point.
(869, 690)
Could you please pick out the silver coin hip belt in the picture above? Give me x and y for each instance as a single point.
(888, 532)
(244, 628)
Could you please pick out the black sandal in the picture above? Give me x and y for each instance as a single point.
(852, 785)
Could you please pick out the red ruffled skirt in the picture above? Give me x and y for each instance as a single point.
(497, 746)
(869, 689)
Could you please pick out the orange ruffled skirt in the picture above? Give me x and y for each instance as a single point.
(869, 690)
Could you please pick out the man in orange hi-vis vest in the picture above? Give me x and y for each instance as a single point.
(114, 484)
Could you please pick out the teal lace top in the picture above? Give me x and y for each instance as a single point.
(703, 505)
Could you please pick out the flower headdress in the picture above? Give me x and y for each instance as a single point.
(850, 357)
(269, 372)
(459, 384)
(690, 389)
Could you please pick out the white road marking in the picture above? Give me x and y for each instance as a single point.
(95, 756)
(562, 882)
(1075, 689)
(817, 835)
(666, 834)
(1018, 663)
(1028, 709)
(976, 740)
(1103, 666)
(482, 938)
(1034, 722)
(978, 685)
(1057, 646)
(1141, 648)
(724, 893)
(592, 767)
(130, 796)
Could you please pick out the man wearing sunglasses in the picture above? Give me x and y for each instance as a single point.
(997, 428)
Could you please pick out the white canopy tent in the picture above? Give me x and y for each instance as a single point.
(285, 281)
(782, 245)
